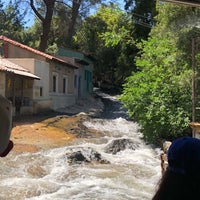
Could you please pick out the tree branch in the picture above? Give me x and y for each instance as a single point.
(35, 11)
(62, 2)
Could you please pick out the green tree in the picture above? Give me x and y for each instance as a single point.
(32, 35)
(45, 17)
(58, 30)
(143, 13)
(107, 35)
(46, 12)
(158, 96)
(11, 21)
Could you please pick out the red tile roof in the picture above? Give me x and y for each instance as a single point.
(48, 56)
(7, 66)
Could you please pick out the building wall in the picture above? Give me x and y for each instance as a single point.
(2, 83)
(19, 90)
(39, 68)
(62, 101)
(62, 71)
(27, 63)
(18, 52)
(88, 87)
(61, 98)
(43, 95)
(41, 100)
(84, 74)
(75, 77)
(49, 99)
(84, 82)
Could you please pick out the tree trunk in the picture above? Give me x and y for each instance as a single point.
(46, 24)
(46, 21)
(75, 12)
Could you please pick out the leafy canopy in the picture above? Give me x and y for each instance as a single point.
(158, 96)
(11, 21)
(107, 34)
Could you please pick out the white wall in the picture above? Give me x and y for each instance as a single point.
(41, 70)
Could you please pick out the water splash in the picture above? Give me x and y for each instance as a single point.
(130, 174)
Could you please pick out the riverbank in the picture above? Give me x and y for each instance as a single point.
(54, 129)
(30, 136)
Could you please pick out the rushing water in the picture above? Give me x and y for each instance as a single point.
(47, 175)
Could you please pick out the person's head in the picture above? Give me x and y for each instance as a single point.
(182, 177)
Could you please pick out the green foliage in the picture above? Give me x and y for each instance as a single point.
(118, 26)
(11, 21)
(32, 35)
(158, 96)
(142, 14)
(107, 34)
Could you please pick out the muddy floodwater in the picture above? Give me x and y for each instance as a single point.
(129, 171)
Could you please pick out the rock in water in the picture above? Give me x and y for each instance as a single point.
(77, 157)
(120, 145)
(85, 155)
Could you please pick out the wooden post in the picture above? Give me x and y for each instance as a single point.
(195, 42)
(193, 80)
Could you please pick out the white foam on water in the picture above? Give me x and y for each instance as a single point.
(47, 175)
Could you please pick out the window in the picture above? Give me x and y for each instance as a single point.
(55, 82)
(41, 91)
(65, 84)
(75, 81)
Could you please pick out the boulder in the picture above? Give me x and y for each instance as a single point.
(85, 155)
(120, 145)
(77, 157)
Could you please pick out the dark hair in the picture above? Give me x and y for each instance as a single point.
(175, 186)
(181, 180)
